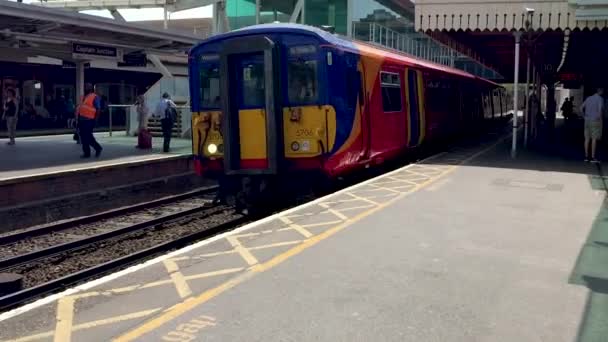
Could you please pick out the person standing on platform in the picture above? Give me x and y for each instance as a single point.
(144, 139)
(592, 110)
(167, 112)
(10, 115)
(88, 112)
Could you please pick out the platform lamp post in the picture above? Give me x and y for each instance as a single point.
(515, 94)
(527, 93)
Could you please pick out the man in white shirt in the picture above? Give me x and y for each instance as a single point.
(592, 110)
(166, 122)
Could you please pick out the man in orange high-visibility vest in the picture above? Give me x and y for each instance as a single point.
(88, 110)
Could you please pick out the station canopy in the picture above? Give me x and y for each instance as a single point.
(564, 38)
(30, 30)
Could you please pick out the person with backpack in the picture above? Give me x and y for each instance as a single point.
(167, 112)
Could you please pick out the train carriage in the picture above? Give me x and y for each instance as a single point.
(274, 99)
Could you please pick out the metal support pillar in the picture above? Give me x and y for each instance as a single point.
(220, 19)
(515, 95)
(159, 65)
(297, 11)
(79, 81)
(527, 104)
(166, 18)
(350, 7)
(258, 8)
(117, 15)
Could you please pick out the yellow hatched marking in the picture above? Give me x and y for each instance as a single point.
(384, 188)
(65, 318)
(183, 307)
(320, 224)
(413, 181)
(215, 273)
(364, 199)
(296, 227)
(278, 244)
(334, 211)
(93, 324)
(244, 252)
(395, 181)
(181, 285)
(355, 208)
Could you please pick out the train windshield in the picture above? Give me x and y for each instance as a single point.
(210, 85)
(302, 75)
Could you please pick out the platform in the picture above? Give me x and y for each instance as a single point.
(468, 245)
(57, 153)
(43, 179)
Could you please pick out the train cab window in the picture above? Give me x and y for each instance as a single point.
(253, 85)
(391, 91)
(302, 75)
(210, 87)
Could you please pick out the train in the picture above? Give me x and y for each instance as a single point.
(295, 102)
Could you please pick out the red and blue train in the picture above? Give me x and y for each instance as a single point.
(271, 100)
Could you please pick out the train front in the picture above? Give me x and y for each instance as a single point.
(260, 104)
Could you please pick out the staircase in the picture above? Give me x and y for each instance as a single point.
(178, 88)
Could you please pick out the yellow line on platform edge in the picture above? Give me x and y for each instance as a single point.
(193, 302)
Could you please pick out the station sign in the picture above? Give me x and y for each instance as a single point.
(134, 60)
(90, 51)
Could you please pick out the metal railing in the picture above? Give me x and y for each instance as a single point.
(116, 108)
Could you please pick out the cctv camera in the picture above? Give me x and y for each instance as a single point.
(529, 10)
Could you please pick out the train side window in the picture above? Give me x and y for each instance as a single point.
(390, 84)
(210, 87)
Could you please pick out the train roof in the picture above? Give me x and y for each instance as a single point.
(345, 44)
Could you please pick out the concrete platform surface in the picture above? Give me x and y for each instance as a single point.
(56, 153)
(466, 246)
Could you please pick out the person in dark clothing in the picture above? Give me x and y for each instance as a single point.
(167, 112)
(88, 112)
(567, 109)
(10, 115)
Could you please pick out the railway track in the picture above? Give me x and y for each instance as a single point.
(54, 257)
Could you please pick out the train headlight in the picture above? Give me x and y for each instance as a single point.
(295, 146)
(212, 148)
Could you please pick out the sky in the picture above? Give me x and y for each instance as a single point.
(151, 13)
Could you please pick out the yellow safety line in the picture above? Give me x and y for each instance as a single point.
(65, 317)
(244, 252)
(181, 285)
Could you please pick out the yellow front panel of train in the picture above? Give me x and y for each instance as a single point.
(308, 130)
(206, 136)
(252, 131)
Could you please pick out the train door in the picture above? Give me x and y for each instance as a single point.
(364, 108)
(253, 144)
(414, 91)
